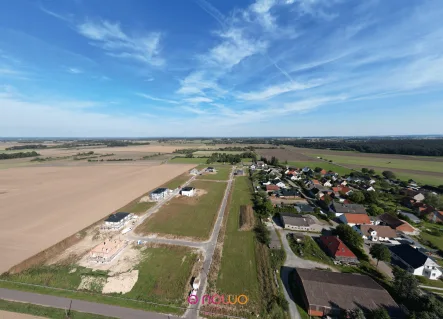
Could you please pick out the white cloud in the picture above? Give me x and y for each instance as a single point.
(196, 83)
(117, 43)
(74, 71)
(275, 90)
(153, 98)
(198, 99)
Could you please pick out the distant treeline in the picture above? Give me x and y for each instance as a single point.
(229, 158)
(26, 147)
(423, 147)
(4, 156)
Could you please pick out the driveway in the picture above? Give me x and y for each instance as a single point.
(382, 266)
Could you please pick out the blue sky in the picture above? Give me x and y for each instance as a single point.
(220, 67)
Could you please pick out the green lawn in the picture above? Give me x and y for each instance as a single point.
(420, 178)
(428, 282)
(436, 240)
(186, 160)
(222, 173)
(238, 270)
(178, 181)
(164, 275)
(188, 216)
(136, 208)
(386, 163)
(310, 250)
(325, 165)
(45, 312)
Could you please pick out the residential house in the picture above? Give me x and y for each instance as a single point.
(370, 189)
(116, 221)
(159, 194)
(348, 208)
(272, 187)
(412, 217)
(371, 181)
(261, 165)
(375, 220)
(281, 184)
(395, 223)
(304, 208)
(296, 177)
(306, 170)
(355, 219)
(327, 183)
(354, 179)
(323, 172)
(239, 172)
(288, 193)
(415, 261)
(337, 249)
(376, 233)
(326, 293)
(341, 190)
(343, 183)
(436, 217)
(211, 169)
(416, 195)
(294, 222)
(253, 167)
(187, 191)
(193, 171)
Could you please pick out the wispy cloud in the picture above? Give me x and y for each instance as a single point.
(275, 90)
(110, 37)
(198, 99)
(74, 70)
(153, 98)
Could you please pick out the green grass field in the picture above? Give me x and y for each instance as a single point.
(186, 160)
(436, 240)
(423, 179)
(327, 166)
(164, 275)
(136, 208)
(188, 216)
(222, 173)
(178, 181)
(45, 312)
(387, 163)
(238, 270)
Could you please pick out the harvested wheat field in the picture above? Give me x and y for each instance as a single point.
(15, 315)
(40, 206)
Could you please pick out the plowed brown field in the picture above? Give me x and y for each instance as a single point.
(40, 206)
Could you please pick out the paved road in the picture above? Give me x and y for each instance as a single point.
(194, 310)
(79, 305)
(382, 266)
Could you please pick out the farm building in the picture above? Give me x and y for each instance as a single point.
(193, 171)
(397, 224)
(348, 208)
(188, 191)
(107, 250)
(375, 233)
(117, 221)
(329, 293)
(355, 219)
(159, 194)
(335, 248)
(302, 223)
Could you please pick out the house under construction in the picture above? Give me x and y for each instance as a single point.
(107, 250)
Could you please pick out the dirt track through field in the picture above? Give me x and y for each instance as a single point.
(40, 206)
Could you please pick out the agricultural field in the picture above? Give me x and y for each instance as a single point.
(325, 165)
(208, 153)
(238, 269)
(221, 174)
(188, 216)
(146, 273)
(34, 199)
(178, 181)
(187, 160)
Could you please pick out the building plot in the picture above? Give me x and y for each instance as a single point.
(187, 216)
(216, 173)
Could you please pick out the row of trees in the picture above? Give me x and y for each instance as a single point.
(229, 158)
(26, 147)
(4, 156)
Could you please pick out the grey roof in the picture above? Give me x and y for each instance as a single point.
(187, 188)
(294, 220)
(412, 217)
(304, 208)
(115, 218)
(345, 291)
(349, 208)
(159, 190)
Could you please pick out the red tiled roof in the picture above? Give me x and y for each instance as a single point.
(336, 247)
(323, 172)
(345, 189)
(336, 189)
(272, 187)
(357, 218)
(316, 182)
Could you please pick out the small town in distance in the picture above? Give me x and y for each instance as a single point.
(244, 229)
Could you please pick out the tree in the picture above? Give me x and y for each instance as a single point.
(374, 210)
(371, 197)
(380, 252)
(388, 174)
(405, 284)
(364, 170)
(434, 200)
(318, 169)
(380, 313)
(356, 313)
(351, 238)
(371, 172)
(357, 197)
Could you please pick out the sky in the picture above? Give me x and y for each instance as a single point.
(184, 68)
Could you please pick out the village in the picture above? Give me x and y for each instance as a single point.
(345, 224)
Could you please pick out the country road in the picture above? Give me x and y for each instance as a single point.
(80, 305)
